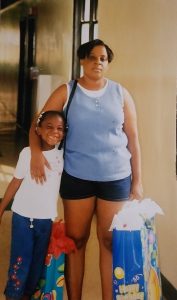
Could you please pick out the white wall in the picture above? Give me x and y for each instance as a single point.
(143, 36)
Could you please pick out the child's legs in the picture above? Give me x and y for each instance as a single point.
(42, 230)
(21, 255)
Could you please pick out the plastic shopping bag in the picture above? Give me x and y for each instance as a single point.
(136, 272)
(50, 286)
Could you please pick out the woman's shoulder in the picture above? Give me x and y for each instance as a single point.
(117, 86)
(57, 99)
(114, 83)
(118, 89)
(71, 82)
(61, 89)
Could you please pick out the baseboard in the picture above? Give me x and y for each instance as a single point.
(168, 290)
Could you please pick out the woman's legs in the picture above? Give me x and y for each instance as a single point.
(105, 211)
(78, 216)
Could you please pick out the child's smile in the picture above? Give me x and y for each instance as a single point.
(51, 132)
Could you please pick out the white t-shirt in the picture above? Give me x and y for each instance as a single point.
(34, 200)
(90, 93)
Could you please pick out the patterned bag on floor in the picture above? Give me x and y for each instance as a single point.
(136, 272)
(51, 284)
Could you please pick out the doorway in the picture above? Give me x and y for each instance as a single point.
(26, 82)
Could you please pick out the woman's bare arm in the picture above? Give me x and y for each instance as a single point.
(55, 102)
(130, 128)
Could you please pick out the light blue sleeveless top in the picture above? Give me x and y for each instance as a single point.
(96, 145)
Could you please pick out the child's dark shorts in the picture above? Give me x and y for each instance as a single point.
(28, 251)
(75, 188)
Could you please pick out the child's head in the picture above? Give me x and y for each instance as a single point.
(50, 126)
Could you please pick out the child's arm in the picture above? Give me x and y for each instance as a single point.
(9, 194)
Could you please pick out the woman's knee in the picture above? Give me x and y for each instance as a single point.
(105, 241)
(79, 240)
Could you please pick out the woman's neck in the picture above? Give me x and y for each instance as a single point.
(91, 84)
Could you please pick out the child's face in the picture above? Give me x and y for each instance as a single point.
(51, 132)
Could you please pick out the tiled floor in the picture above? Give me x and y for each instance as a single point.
(10, 145)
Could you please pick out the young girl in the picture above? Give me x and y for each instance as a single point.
(34, 207)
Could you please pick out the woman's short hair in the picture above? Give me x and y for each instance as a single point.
(85, 49)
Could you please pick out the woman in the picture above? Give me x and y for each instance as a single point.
(102, 166)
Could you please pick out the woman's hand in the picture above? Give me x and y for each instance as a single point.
(37, 167)
(136, 191)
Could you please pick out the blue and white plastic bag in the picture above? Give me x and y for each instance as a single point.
(136, 272)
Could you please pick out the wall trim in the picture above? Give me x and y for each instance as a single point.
(168, 290)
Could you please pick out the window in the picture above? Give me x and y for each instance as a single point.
(85, 28)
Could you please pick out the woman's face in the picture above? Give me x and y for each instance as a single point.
(95, 65)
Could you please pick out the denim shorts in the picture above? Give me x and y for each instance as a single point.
(28, 251)
(74, 188)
